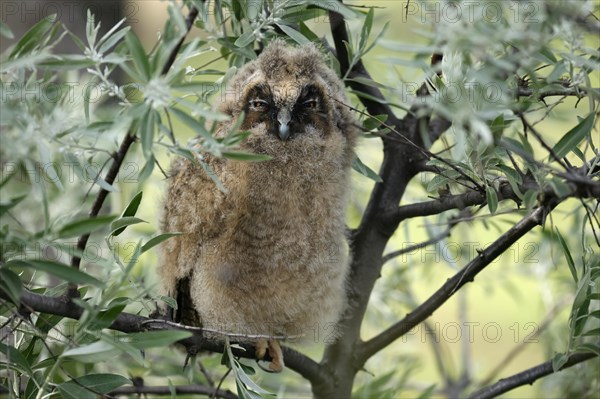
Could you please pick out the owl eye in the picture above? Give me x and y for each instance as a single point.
(258, 104)
(310, 104)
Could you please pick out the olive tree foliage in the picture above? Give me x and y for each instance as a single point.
(79, 150)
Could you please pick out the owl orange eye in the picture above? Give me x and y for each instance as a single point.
(310, 104)
(258, 105)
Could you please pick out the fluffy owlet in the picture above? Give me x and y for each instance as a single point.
(268, 255)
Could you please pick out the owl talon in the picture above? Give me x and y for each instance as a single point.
(261, 349)
(273, 348)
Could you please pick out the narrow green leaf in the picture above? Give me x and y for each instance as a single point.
(336, 6)
(152, 339)
(250, 385)
(131, 209)
(91, 385)
(5, 31)
(56, 269)
(374, 122)
(92, 353)
(114, 39)
(595, 313)
(558, 361)
(492, 199)
(6, 206)
(171, 302)
(11, 284)
(146, 131)
(306, 32)
(560, 187)
(99, 180)
(593, 348)
(366, 29)
(568, 255)
(85, 226)
(196, 126)
(574, 136)
(154, 241)
(513, 177)
(31, 39)
(147, 169)
(517, 147)
(105, 318)
(67, 62)
(364, 170)
(16, 357)
(138, 54)
(530, 199)
(213, 176)
(245, 39)
(90, 28)
(436, 182)
(428, 392)
(87, 93)
(119, 225)
(123, 347)
(294, 34)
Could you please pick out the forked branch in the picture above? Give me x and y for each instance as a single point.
(528, 376)
(466, 275)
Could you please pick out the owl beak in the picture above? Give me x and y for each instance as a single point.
(284, 117)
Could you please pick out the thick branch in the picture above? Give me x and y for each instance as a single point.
(400, 164)
(340, 35)
(528, 376)
(466, 275)
(162, 391)
(581, 187)
(180, 389)
(130, 323)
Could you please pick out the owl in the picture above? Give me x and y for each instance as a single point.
(267, 255)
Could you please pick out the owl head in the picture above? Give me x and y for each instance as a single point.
(290, 99)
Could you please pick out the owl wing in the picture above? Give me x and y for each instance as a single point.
(194, 206)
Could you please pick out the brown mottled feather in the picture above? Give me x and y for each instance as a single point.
(269, 256)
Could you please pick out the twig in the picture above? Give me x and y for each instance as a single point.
(540, 139)
(448, 202)
(431, 241)
(222, 380)
(218, 332)
(528, 376)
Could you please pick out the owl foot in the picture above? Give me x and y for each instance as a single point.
(273, 348)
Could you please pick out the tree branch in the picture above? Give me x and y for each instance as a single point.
(582, 186)
(566, 92)
(340, 35)
(118, 159)
(467, 274)
(162, 391)
(528, 376)
(452, 222)
(130, 323)
(180, 389)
